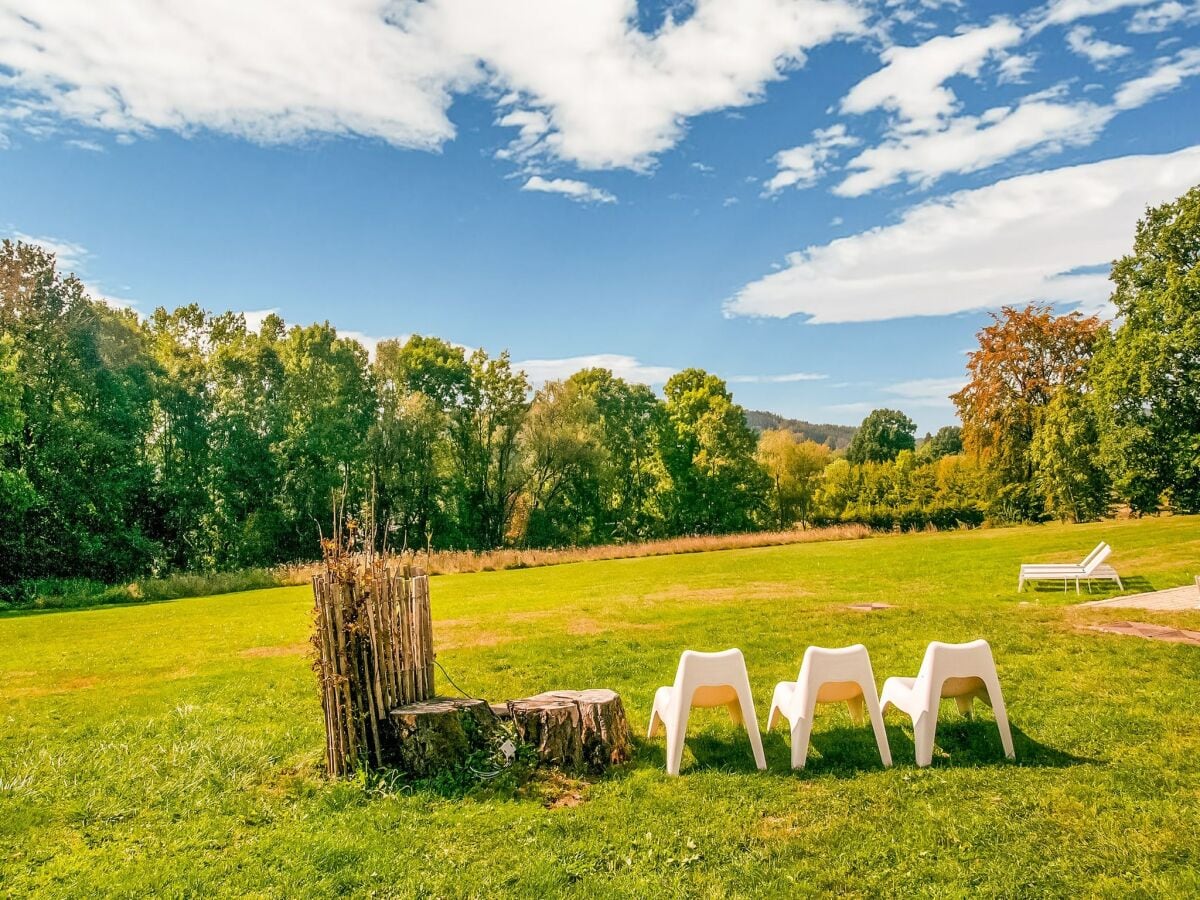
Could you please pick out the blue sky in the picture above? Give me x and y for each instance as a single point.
(818, 200)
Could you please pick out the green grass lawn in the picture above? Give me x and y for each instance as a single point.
(175, 748)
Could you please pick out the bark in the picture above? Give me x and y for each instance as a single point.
(574, 730)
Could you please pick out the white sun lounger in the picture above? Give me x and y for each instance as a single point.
(1092, 568)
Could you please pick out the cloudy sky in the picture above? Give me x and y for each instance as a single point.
(818, 200)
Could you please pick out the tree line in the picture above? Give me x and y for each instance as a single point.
(188, 441)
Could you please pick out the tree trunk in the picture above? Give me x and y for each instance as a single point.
(436, 735)
(574, 730)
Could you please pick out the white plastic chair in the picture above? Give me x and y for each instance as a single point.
(705, 680)
(828, 676)
(961, 671)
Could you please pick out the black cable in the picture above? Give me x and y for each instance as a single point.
(451, 680)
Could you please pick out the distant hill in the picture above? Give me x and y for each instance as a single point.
(836, 436)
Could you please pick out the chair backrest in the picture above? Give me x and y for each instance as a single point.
(833, 663)
(944, 662)
(708, 668)
(834, 674)
(1094, 563)
(710, 679)
(1095, 550)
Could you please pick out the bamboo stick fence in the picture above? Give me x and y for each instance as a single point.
(374, 640)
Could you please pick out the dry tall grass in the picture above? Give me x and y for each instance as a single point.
(454, 562)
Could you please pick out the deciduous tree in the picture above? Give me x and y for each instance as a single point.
(1147, 378)
(881, 436)
(794, 468)
(708, 450)
(1024, 356)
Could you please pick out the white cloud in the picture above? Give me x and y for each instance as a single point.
(1168, 75)
(1061, 12)
(615, 96)
(1083, 41)
(1160, 18)
(69, 256)
(802, 166)
(1015, 241)
(264, 71)
(90, 146)
(72, 258)
(532, 127)
(929, 138)
(971, 143)
(927, 391)
(581, 81)
(580, 191)
(788, 378)
(912, 80)
(627, 367)
(1013, 67)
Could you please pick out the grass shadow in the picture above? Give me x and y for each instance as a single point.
(974, 742)
(1101, 590)
(849, 751)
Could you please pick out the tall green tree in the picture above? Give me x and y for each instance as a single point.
(1065, 462)
(794, 468)
(564, 452)
(86, 382)
(881, 436)
(947, 442)
(179, 444)
(245, 525)
(16, 492)
(328, 408)
(485, 433)
(708, 450)
(1147, 378)
(409, 452)
(631, 475)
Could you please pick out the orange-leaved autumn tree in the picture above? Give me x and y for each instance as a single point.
(1024, 357)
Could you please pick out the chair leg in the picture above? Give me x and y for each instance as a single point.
(996, 701)
(881, 741)
(924, 731)
(855, 707)
(735, 713)
(801, 732)
(750, 720)
(656, 723)
(676, 733)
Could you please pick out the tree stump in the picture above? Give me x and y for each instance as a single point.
(438, 734)
(574, 730)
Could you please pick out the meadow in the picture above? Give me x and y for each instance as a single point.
(175, 748)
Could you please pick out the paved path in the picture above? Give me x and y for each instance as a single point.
(1170, 600)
